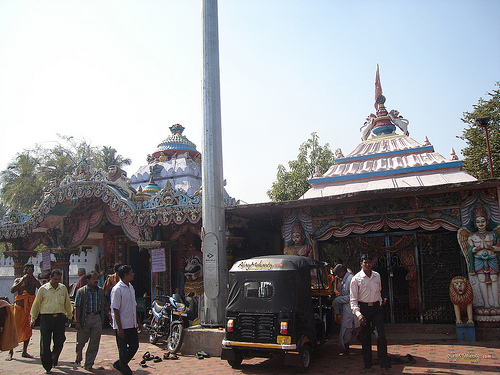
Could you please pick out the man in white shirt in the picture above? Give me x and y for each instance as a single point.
(366, 304)
(125, 321)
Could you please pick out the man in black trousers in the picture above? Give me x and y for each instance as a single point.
(125, 321)
(366, 304)
(53, 304)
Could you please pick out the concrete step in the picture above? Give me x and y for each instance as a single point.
(210, 339)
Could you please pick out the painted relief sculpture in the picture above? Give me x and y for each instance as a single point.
(298, 245)
(479, 240)
(461, 296)
(193, 284)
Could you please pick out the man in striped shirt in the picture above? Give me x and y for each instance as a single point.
(90, 309)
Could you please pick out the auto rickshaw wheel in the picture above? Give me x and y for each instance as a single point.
(238, 358)
(305, 357)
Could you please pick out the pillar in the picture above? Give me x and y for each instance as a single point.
(62, 255)
(215, 272)
(20, 257)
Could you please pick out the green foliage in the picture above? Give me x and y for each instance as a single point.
(292, 184)
(108, 157)
(20, 185)
(476, 155)
(29, 174)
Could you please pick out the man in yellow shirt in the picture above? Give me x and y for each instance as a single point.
(53, 304)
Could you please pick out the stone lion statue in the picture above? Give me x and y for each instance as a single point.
(461, 297)
(117, 177)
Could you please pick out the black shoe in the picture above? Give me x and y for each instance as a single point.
(117, 367)
(204, 354)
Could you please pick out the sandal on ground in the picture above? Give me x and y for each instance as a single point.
(147, 356)
(143, 363)
(157, 359)
(204, 354)
(166, 355)
(174, 356)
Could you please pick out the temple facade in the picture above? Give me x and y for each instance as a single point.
(422, 217)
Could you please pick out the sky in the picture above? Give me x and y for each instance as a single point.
(120, 72)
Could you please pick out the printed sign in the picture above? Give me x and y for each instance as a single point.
(46, 260)
(158, 260)
(210, 265)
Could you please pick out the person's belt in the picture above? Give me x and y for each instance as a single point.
(58, 315)
(94, 313)
(377, 303)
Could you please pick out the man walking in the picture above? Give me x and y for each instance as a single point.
(125, 321)
(90, 308)
(24, 288)
(82, 281)
(112, 279)
(350, 324)
(53, 304)
(366, 304)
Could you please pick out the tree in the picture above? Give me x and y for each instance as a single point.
(26, 178)
(108, 157)
(476, 157)
(292, 184)
(20, 183)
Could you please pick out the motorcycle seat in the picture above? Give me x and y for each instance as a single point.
(158, 306)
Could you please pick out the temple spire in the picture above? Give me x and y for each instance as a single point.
(378, 89)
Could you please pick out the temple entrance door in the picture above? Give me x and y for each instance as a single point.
(416, 268)
(398, 271)
(139, 260)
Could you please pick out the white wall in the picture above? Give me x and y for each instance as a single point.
(86, 260)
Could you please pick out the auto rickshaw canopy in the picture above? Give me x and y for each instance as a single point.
(273, 283)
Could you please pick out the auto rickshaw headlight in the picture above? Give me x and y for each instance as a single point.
(230, 325)
(284, 328)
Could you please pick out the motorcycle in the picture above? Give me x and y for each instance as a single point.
(168, 320)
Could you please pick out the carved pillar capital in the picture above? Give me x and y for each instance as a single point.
(62, 255)
(20, 257)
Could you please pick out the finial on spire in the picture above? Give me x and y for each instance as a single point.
(317, 173)
(453, 155)
(379, 98)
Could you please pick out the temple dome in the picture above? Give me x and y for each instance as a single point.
(176, 143)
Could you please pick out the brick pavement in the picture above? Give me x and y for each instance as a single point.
(433, 357)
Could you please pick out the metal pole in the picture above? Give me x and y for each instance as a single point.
(484, 122)
(488, 148)
(214, 234)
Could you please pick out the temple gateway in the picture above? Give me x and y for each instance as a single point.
(422, 217)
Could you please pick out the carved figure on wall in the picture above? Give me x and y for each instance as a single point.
(461, 296)
(193, 284)
(163, 157)
(483, 251)
(400, 122)
(367, 126)
(298, 245)
(117, 177)
(82, 171)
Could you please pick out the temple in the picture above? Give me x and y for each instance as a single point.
(422, 217)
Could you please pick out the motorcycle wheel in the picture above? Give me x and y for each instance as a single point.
(153, 336)
(175, 338)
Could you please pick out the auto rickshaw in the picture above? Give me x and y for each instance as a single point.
(277, 304)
